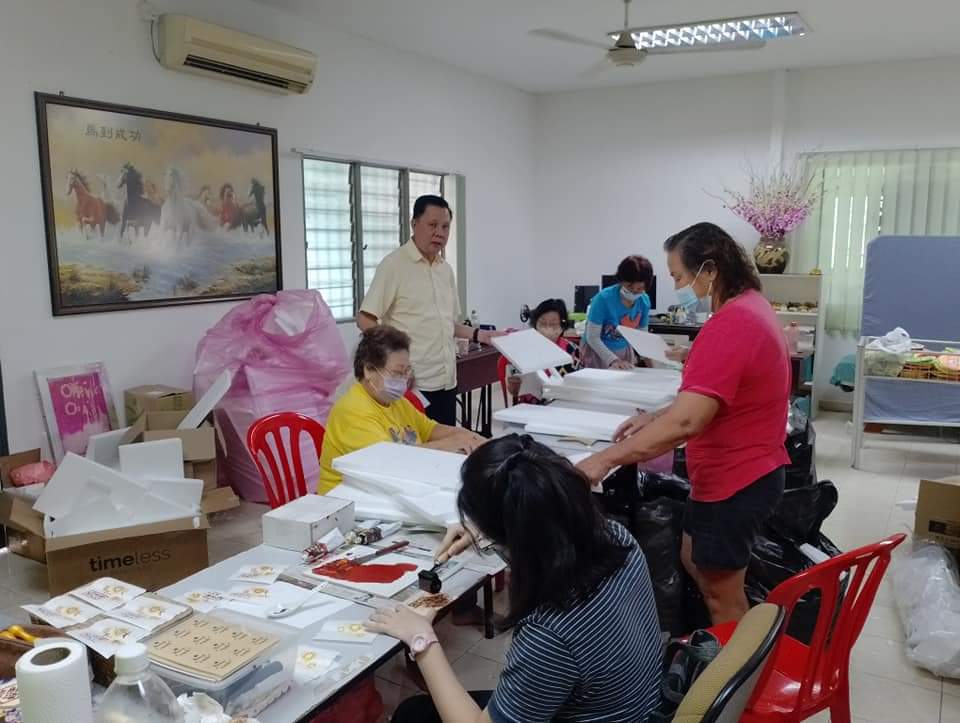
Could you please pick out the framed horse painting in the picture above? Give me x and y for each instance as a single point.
(149, 208)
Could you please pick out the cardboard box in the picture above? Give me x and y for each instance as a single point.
(155, 398)
(219, 500)
(199, 445)
(206, 471)
(18, 541)
(151, 556)
(298, 524)
(938, 512)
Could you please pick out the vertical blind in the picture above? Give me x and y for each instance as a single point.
(354, 215)
(868, 194)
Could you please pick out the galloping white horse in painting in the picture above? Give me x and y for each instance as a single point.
(182, 217)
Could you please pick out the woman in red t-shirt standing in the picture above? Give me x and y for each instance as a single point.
(731, 411)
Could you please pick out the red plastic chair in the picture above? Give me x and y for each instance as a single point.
(285, 481)
(806, 679)
(411, 397)
(502, 376)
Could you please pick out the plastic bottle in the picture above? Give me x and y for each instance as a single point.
(474, 319)
(137, 695)
(792, 332)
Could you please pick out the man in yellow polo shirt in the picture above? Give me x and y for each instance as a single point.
(414, 290)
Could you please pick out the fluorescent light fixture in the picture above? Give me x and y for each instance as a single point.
(732, 32)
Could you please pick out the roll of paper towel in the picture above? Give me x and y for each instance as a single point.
(54, 684)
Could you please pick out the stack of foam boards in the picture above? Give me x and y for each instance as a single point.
(559, 421)
(400, 482)
(142, 521)
(647, 389)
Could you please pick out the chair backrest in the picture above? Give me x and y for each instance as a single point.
(847, 585)
(412, 397)
(720, 693)
(502, 376)
(283, 474)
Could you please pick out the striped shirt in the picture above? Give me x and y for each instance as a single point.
(597, 661)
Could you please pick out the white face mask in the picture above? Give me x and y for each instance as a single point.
(629, 296)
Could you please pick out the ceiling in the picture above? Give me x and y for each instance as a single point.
(489, 37)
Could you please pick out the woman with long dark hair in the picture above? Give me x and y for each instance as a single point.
(586, 643)
(731, 412)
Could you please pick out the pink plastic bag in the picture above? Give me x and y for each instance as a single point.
(286, 355)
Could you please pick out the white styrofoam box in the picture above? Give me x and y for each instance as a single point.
(530, 351)
(161, 459)
(104, 448)
(369, 506)
(404, 463)
(298, 524)
(556, 420)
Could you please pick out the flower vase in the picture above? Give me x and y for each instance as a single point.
(771, 255)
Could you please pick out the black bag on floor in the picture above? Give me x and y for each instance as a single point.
(657, 527)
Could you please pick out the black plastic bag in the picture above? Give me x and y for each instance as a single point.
(657, 526)
(653, 485)
(801, 512)
(801, 446)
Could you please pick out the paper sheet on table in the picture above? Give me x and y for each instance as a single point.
(321, 607)
(382, 589)
(647, 345)
(530, 351)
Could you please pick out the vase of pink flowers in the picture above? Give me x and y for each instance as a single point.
(775, 205)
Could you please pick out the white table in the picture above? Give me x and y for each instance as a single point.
(357, 660)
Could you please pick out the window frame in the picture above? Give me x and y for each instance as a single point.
(357, 248)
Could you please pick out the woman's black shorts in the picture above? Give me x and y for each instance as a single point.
(723, 533)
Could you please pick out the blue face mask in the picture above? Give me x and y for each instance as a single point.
(629, 296)
(687, 296)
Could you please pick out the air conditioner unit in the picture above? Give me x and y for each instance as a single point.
(195, 46)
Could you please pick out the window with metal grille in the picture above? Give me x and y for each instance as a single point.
(354, 215)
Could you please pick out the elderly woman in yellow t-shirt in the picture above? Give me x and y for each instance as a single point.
(375, 410)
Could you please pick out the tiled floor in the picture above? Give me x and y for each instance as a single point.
(885, 686)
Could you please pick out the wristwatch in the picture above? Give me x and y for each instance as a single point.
(420, 643)
(476, 335)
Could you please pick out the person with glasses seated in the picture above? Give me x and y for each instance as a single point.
(586, 642)
(550, 318)
(375, 409)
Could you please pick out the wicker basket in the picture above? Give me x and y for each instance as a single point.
(916, 371)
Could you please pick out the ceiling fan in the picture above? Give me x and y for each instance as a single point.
(631, 45)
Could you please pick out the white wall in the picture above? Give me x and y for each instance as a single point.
(619, 170)
(368, 101)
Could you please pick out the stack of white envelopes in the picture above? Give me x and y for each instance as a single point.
(389, 481)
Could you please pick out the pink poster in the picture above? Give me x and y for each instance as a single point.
(79, 408)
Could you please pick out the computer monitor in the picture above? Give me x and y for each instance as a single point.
(582, 296)
(611, 279)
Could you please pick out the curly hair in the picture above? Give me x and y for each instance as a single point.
(375, 346)
(706, 243)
